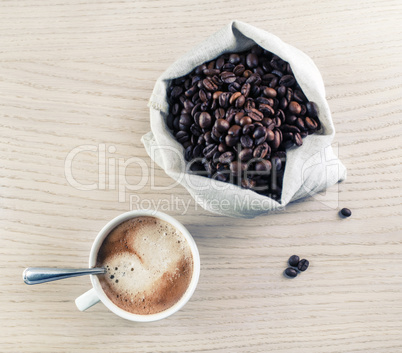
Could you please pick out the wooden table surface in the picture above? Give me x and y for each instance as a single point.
(79, 73)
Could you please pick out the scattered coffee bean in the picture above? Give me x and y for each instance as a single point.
(345, 212)
(290, 272)
(303, 265)
(293, 260)
(238, 114)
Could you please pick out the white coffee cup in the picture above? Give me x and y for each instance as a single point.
(97, 294)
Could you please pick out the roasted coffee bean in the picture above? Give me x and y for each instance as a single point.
(281, 91)
(252, 80)
(294, 260)
(188, 105)
(249, 104)
(188, 153)
(310, 124)
(252, 60)
(290, 272)
(185, 120)
(287, 81)
(268, 123)
(277, 139)
(290, 128)
(283, 103)
(259, 141)
(267, 78)
(182, 136)
(215, 134)
(239, 70)
(286, 144)
(276, 163)
(245, 120)
(234, 59)
(205, 120)
(299, 96)
(240, 101)
(216, 95)
(345, 212)
(224, 99)
(287, 136)
(231, 140)
(176, 91)
(227, 157)
(259, 132)
(205, 106)
(216, 156)
(245, 89)
(197, 151)
(261, 150)
(300, 124)
(222, 147)
(219, 113)
(235, 130)
(241, 80)
(246, 141)
(264, 100)
(270, 92)
(220, 62)
(255, 114)
(264, 166)
(266, 109)
(237, 167)
(222, 125)
(298, 139)
(208, 138)
(201, 140)
(209, 151)
(237, 117)
(234, 87)
(169, 121)
(228, 77)
(234, 97)
(303, 265)
(248, 129)
(217, 80)
(312, 109)
(245, 154)
(209, 84)
(195, 130)
(289, 94)
(228, 67)
(270, 136)
(303, 110)
(291, 119)
(277, 73)
(175, 109)
(211, 72)
(294, 108)
(176, 126)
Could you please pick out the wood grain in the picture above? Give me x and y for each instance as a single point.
(81, 72)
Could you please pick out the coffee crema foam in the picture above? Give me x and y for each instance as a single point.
(149, 265)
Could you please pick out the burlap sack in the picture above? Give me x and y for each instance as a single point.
(309, 169)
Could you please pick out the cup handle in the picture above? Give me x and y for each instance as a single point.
(86, 300)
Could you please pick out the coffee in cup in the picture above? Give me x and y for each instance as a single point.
(149, 265)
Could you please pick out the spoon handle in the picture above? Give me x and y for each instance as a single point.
(36, 275)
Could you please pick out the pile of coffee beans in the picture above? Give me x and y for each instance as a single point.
(297, 266)
(236, 116)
